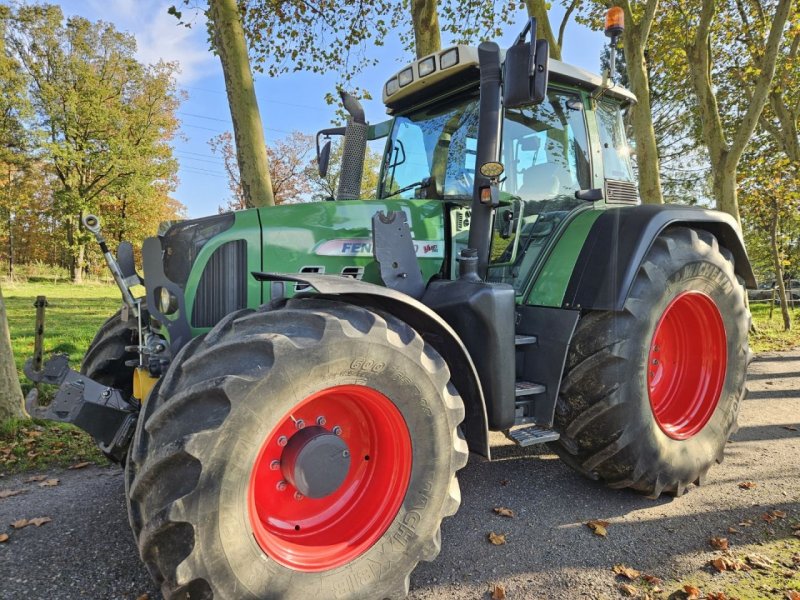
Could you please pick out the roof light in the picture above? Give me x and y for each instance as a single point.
(392, 86)
(427, 66)
(615, 22)
(449, 58)
(405, 77)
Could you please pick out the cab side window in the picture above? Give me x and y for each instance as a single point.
(616, 151)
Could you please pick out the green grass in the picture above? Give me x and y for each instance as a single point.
(769, 335)
(73, 316)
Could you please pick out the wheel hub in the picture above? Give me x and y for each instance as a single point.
(315, 461)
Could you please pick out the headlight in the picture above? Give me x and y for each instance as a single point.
(427, 66)
(449, 58)
(167, 302)
(392, 86)
(405, 77)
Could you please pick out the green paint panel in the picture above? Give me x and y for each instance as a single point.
(335, 238)
(551, 285)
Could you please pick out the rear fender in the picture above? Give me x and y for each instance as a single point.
(428, 324)
(621, 237)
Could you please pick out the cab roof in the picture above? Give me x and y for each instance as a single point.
(457, 67)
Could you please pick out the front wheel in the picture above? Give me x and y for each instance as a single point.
(303, 452)
(651, 394)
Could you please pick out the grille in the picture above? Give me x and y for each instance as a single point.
(621, 191)
(223, 285)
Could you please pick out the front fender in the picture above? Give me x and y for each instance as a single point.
(425, 321)
(621, 237)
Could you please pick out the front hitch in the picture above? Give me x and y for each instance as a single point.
(99, 410)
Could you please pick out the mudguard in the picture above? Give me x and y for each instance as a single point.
(430, 325)
(621, 237)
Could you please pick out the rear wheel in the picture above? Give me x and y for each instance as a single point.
(308, 451)
(651, 394)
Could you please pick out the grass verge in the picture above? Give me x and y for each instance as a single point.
(769, 335)
(29, 444)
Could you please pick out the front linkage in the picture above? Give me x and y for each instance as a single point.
(102, 411)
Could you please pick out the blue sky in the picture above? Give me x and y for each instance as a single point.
(290, 102)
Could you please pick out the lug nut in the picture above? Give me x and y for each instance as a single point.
(275, 465)
(281, 486)
(321, 421)
(300, 423)
(298, 496)
(337, 430)
(346, 453)
(282, 440)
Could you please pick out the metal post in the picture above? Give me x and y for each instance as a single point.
(38, 336)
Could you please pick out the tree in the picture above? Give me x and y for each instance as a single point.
(726, 144)
(425, 20)
(10, 391)
(539, 9)
(230, 45)
(102, 119)
(324, 188)
(289, 159)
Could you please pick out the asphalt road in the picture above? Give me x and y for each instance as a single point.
(87, 550)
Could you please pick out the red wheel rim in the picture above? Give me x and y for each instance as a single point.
(316, 534)
(686, 364)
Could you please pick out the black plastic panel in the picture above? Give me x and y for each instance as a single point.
(619, 241)
(183, 241)
(223, 285)
(482, 314)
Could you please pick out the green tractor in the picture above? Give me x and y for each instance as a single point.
(320, 372)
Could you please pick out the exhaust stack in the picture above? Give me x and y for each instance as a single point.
(355, 147)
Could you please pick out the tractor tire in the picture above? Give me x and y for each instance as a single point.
(105, 359)
(651, 394)
(308, 451)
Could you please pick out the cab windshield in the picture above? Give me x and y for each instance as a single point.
(431, 154)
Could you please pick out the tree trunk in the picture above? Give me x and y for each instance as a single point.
(642, 118)
(10, 392)
(251, 151)
(776, 261)
(77, 262)
(538, 9)
(427, 36)
(724, 187)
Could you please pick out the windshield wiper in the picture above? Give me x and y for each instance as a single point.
(421, 183)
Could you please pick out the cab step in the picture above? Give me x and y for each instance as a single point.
(531, 435)
(528, 388)
(524, 340)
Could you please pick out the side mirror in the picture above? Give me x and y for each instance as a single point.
(323, 157)
(324, 153)
(526, 70)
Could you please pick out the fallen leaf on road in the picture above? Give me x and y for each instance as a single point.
(768, 517)
(3, 537)
(497, 539)
(39, 521)
(651, 579)
(759, 561)
(9, 493)
(80, 465)
(748, 485)
(504, 482)
(716, 596)
(628, 590)
(598, 527)
(624, 571)
(49, 483)
(733, 530)
(144, 597)
(719, 543)
(35, 478)
(778, 514)
(746, 523)
(723, 563)
(20, 524)
(792, 595)
(498, 592)
(504, 512)
(692, 593)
